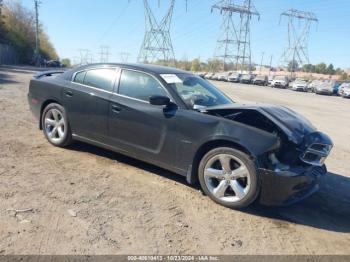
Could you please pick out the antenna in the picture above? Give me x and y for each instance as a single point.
(233, 45)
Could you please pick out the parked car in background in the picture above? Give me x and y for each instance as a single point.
(200, 74)
(280, 82)
(223, 76)
(345, 93)
(53, 63)
(325, 87)
(270, 79)
(216, 76)
(247, 78)
(208, 75)
(300, 85)
(176, 120)
(261, 80)
(234, 78)
(342, 87)
(336, 87)
(312, 85)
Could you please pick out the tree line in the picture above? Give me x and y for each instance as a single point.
(17, 29)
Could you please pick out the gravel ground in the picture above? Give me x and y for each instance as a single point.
(86, 200)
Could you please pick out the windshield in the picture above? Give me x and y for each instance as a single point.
(195, 91)
(280, 78)
(260, 78)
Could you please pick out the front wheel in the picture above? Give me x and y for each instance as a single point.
(229, 177)
(55, 125)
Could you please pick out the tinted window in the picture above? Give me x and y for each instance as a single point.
(100, 78)
(139, 85)
(79, 77)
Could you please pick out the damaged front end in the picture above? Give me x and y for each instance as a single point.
(291, 171)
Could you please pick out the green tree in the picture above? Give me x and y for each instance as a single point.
(344, 76)
(214, 65)
(66, 62)
(19, 23)
(321, 68)
(196, 65)
(2, 25)
(330, 69)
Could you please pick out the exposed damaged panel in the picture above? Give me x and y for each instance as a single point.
(299, 142)
(249, 117)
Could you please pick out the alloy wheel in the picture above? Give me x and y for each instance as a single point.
(227, 178)
(54, 126)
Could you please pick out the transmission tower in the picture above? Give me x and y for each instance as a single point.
(298, 38)
(104, 54)
(124, 56)
(157, 45)
(85, 56)
(233, 45)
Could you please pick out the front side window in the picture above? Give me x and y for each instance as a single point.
(100, 78)
(139, 85)
(195, 91)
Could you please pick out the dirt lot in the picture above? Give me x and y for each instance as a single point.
(85, 200)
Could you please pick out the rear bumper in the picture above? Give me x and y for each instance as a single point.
(288, 187)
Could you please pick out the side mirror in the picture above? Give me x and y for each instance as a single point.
(159, 100)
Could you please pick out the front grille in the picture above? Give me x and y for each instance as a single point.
(316, 154)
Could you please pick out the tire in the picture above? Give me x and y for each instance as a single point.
(55, 125)
(236, 185)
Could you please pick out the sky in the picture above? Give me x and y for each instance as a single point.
(119, 24)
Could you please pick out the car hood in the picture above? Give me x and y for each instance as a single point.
(294, 125)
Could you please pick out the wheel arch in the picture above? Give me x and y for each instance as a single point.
(192, 173)
(43, 106)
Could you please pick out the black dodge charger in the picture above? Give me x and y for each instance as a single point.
(180, 122)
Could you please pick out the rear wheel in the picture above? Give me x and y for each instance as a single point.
(229, 177)
(55, 125)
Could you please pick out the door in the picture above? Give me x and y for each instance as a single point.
(87, 100)
(135, 125)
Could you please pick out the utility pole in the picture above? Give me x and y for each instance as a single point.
(270, 64)
(298, 37)
(233, 44)
(262, 58)
(157, 45)
(37, 57)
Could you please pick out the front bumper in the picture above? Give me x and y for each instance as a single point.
(288, 187)
(279, 85)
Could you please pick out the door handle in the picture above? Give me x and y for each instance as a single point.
(68, 93)
(116, 109)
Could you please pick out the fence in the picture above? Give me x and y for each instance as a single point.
(8, 55)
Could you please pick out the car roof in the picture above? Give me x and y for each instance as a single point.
(155, 69)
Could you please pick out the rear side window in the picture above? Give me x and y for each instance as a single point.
(139, 85)
(79, 77)
(100, 78)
